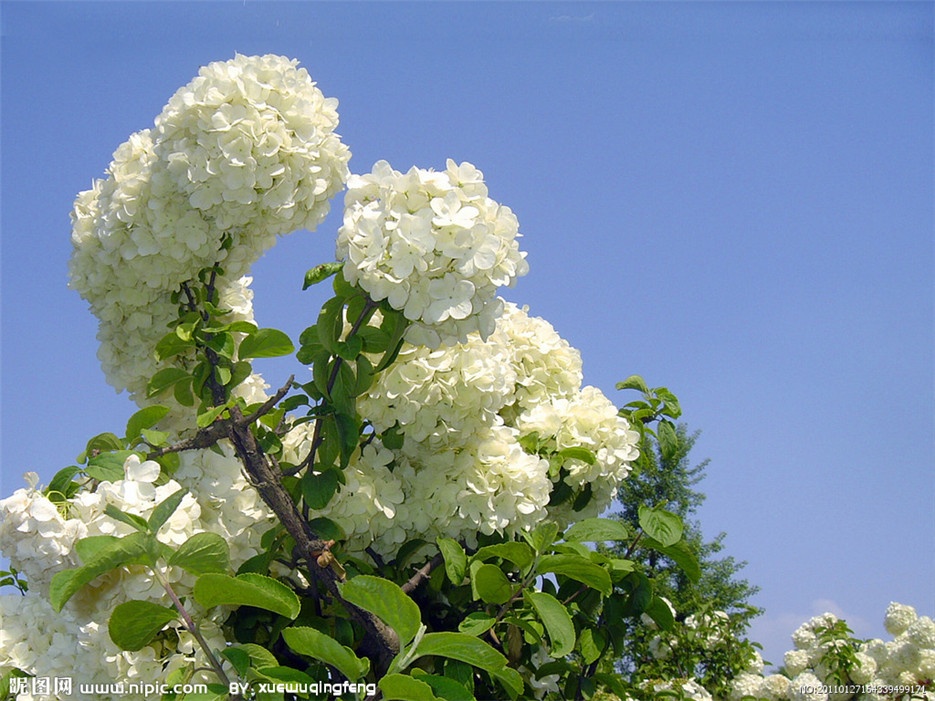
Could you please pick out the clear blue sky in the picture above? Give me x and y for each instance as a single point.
(734, 200)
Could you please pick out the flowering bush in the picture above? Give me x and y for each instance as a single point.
(827, 663)
(415, 520)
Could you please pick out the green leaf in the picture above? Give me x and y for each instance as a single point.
(682, 556)
(259, 656)
(165, 509)
(476, 623)
(107, 467)
(89, 547)
(248, 589)
(203, 553)
(314, 643)
(239, 659)
(134, 624)
(171, 345)
(402, 687)
(455, 559)
(154, 438)
(660, 525)
(164, 379)
(668, 439)
(265, 343)
(660, 612)
(327, 529)
(138, 522)
(386, 601)
(520, 554)
(577, 568)
(330, 323)
(576, 453)
(145, 418)
(206, 418)
(445, 687)
(597, 530)
(348, 435)
(542, 538)
(473, 651)
(492, 585)
(62, 484)
(108, 556)
(591, 642)
(634, 382)
(320, 273)
(317, 490)
(557, 622)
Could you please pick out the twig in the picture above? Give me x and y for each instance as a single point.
(422, 573)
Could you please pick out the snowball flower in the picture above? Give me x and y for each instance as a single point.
(434, 245)
(898, 618)
(245, 152)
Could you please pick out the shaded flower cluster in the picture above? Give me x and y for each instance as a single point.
(432, 244)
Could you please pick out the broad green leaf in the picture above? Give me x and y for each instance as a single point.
(285, 674)
(660, 525)
(385, 600)
(660, 612)
(62, 485)
(476, 623)
(248, 589)
(239, 658)
(265, 343)
(557, 622)
(203, 553)
(542, 537)
(123, 551)
(138, 522)
(107, 467)
(171, 345)
(402, 687)
(591, 643)
(317, 490)
(445, 687)
(89, 547)
(165, 509)
(153, 437)
(145, 418)
(314, 643)
(578, 568)
(259, 656)
(330, 323)
(597, 530)
(327, 529)
(634, 382)
(134, 624)
(473, 651)
(682, 556)
(492, 585)
(520, 554)
(668, 439)
(348, 433)
(206, 418)
(320, 272)
(576, 453)
(455, 559)
(164, 379)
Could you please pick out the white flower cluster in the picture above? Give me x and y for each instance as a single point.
(245, 152)
(463, 410)
(39, 540)
(434, 245)
(907, 661)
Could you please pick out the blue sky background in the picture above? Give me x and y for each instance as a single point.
(733, 200)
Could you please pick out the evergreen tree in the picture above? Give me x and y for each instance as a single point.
(664, 476)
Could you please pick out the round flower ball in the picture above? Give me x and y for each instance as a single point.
(432, 244)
